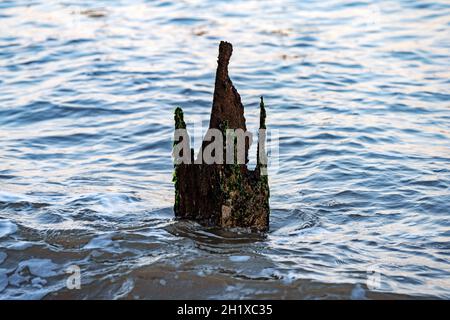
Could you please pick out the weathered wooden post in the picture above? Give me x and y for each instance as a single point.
(224, 193)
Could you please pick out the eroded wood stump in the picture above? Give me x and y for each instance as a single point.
(227, 194)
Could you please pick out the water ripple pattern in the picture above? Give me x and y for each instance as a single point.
(358, 91)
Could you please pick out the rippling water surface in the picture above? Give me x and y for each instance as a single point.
(359, 92)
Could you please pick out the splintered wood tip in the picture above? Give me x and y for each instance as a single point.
(225, 52)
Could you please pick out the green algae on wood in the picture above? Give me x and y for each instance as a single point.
(179, 119)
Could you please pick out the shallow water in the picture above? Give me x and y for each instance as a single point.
(358, 91)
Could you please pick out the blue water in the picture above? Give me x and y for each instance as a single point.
(358, 91)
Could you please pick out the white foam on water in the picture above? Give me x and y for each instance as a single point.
(25, 293)
(7, 228)
(114, 203)
(19, 245)
(39, 267)
(16, 279)
(101, 242)
(125, 289)
(239, 258)
(38, 282)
